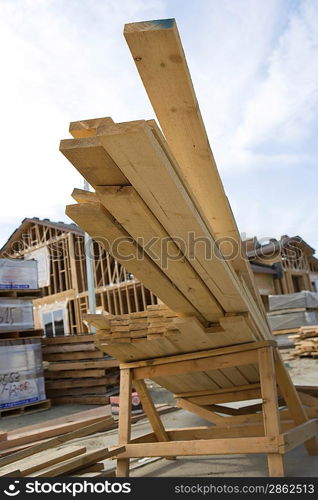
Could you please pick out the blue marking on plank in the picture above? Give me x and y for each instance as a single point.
(163, 23)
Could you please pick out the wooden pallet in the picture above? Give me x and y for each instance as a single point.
(24, 409)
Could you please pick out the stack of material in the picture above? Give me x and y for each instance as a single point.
(160, 209)
(77, 372)
(35, 451)
(155, 322)
(21, 373)
(291, 311)
(306, 342)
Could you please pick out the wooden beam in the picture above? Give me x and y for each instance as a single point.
(88, 155)
(291, 397)
(150, 410)
(84, 196)
(298, 435)
(202, 412)
(158, 53)
(132, 213)
(227, 397)
(195, 365)
(200, 354)
(124, 425)
(87, 128)
(97, 222)
(84, 430)
(202, 447)
(270, 407)
(133, 149)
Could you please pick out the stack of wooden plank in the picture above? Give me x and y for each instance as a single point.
(41, 451)
(77, 372)
(306, 342)
(155, 322)
(159, 209)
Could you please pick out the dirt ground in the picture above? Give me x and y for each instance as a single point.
(304, 371)
(298, 464)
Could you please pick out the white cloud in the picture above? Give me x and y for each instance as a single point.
(254, 66)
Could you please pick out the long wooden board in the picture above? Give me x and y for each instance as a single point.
(97, 222)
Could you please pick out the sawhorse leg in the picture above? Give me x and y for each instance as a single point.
(124, 426)
(292, 400)
(270, 407)
(151, 412)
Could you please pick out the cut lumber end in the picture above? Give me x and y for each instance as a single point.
(87, 128)
(84, 196)
(155, 24)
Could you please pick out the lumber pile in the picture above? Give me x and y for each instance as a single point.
(306, 342)
(49, 451)
(173, 221)
(78, 372)
(160, 210)
(290, 311)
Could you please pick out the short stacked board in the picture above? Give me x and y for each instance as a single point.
(77, 372)
(306, 342)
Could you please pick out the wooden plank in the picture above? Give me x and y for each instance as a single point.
(202, 412)
(291, 397)
(226, 397)
(157, 50)
(106, 363)
(87, 128)
(124, 425)
(99, 224)
(195, 365)
(51, 458)
(200, 354)
(83, 430)
(54, 349)
(150, 410)
(67, 339)
(271, 417)
(64, 356)
(83, 196)
(74, 374)
(202, 447)
(92, 390)
(69, 384)
(298, 435)
(133, 148)
(132, 213)
(75, 463)
(82, 400)
(87, 154)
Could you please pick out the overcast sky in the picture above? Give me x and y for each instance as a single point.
(254, 64)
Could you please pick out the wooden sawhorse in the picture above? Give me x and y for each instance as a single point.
(267, 431)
